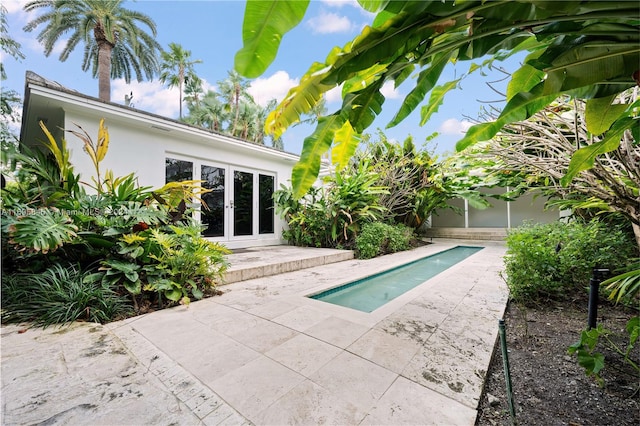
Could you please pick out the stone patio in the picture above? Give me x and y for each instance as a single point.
(263, 353)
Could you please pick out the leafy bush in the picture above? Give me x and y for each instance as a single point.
(58, 295)
(138, 242)
(555, 261)
(176, 266)
(377, 239)
(333, 215)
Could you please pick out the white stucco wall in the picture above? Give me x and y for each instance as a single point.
(141, 142)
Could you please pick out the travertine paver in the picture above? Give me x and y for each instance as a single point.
(337, 331)
(386, 350)
(408, 403)
(253, 387)
(304, 354)
(354, 379)
(90, 374)
(311, 404)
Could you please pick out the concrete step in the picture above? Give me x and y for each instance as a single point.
(493, 234)
(258, 262)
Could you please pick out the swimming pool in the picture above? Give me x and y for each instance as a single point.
(368, 294)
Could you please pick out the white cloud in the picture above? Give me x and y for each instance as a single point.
(389, 91)
(329, 23)
(14, 6)
(334, 95)
(453, 126)
(151, 96)
(17, 17)
(340, 3)
(274, 87)
(28, 42)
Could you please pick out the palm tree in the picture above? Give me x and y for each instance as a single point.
(176, 68)
(234, 89)
(209, 114)
(193, 91)
(115, 46)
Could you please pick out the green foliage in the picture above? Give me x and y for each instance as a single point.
(41, 230)
(261, 45)
(555, 260)
(625, 287)
(378, 238)
(333, 215)
(593, 362)
(105, 28)
(588, 50)
(143, 244)
(229, 109)
(189, 264)
(58, 295)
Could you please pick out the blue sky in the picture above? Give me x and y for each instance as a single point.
(212, 31)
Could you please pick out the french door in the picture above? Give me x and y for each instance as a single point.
(239, 204)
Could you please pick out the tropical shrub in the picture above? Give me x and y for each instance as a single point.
(555, 261)
(332, 215)
(378, 238)
(135, 241)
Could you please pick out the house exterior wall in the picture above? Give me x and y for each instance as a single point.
(449, 218)
(502, 214)
(492, 217)
(141, 143)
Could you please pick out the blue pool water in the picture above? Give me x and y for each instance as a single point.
(368, 294)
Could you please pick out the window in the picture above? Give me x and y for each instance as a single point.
(265, 204)
(178, 170)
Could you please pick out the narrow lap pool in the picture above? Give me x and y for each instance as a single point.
(368, 294)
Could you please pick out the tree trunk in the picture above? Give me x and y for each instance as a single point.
(181, 82)
(104, 70)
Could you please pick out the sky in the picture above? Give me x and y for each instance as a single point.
(212, 31)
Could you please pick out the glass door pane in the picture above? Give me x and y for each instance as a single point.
(177, 170)
(212, 213)
(242, 203)
(265, 204)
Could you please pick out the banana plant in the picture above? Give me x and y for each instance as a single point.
(587, 49)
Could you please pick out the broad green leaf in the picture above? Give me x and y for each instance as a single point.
(365, 106)
(265, 23)
(306, 170)
(592, 363)
(435, 100)
(43, 231)
(476, 133)
(363, 79)
(583, 158)
(298, 101)
(173, 295)
(592, 63)
(346, 143)
(373, 5)
(600, 114)
(426, 81)
(133, 287)
(523, 80)
(197, 293)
